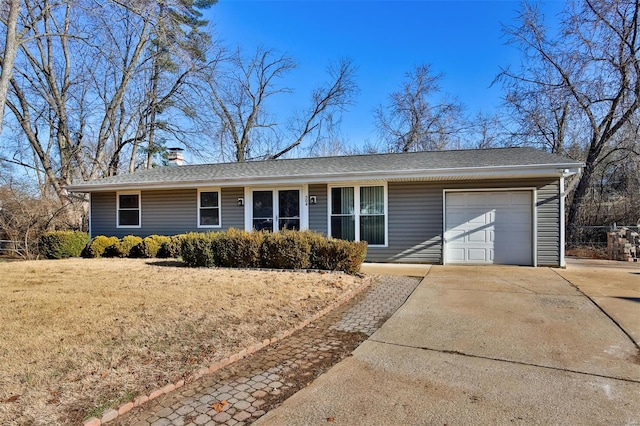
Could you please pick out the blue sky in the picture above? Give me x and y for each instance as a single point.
(385, 39)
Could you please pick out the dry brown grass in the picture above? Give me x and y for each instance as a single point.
(81, 335)
(588, 252)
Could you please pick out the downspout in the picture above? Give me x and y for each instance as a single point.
(563, 197)
(563, 263)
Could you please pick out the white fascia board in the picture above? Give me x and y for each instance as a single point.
(524, 171)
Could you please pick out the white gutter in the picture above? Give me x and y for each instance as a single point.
(519, 171)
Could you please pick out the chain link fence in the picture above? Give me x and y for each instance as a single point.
(595, 236)
(591, 241)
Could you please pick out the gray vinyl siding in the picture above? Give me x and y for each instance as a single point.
(103, 213)
(416, 220)
(548, 213)
(168, 212)
(164, 212)
(318, 212)
(415, 224)
(232, 213)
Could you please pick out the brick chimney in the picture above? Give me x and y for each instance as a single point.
(175, 157)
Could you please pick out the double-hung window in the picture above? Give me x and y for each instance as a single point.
(128, 210)
(358, 213)
(209, 208)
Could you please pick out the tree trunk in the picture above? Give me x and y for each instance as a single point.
(10, 50)
(581, 191)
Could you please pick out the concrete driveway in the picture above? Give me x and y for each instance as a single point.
(614, 286)
(498, 345)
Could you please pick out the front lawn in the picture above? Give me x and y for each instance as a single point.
(79, 335)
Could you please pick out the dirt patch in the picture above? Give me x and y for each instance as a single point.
(80, 336)
(588, 252)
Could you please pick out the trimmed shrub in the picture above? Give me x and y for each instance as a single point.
(149, 246)
(345, 256)
(63, 244)
(98, 245)
(122, 247)
(280, 250)
(316, 242)
(196, 249)
(286, 250)
(171, 248)
(238, 249)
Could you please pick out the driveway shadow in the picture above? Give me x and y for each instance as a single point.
(630, 299)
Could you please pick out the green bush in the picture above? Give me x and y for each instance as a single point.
(149, 246)
(98, 245)
(281, 250)
(341, 255)
(122, 247)
(238, 249)
(286, 250)
(171, 248)
(318, 250)
(62, 244)
(196, 249)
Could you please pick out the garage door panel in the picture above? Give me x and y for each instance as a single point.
(458, 219)
(480, 236)
(479, 255)
(457, 234)
(457, 255)
(498, 199)
(520, 218)
(521, 198)
(489, 227)
(476, 199)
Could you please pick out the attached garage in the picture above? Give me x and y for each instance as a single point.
(485, 227)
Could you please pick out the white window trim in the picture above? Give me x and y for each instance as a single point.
(118, 194)
(248, 204)
(212, 189)
(356, 207)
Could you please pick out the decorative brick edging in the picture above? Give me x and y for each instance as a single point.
(112, 414)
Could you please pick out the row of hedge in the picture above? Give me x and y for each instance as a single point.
(232, 249)
(281, 250)
(64, 244)
(132, 246)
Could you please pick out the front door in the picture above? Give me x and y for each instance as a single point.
(276, 210)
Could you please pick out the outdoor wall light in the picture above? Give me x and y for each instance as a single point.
(240, 201)
(312, 199)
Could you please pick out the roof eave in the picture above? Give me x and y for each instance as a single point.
(471, 173)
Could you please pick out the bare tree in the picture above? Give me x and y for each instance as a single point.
(240, 89)
(44, 71)
(25, 214)
(487, 131)
(92, 83)
(540, 113)
(413, 120)
(592, 68)
(327, 101)
(12, 40)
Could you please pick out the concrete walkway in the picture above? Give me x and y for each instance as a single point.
(481, 345)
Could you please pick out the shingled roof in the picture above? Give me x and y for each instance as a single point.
(430, 165)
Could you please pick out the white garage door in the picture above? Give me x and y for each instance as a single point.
(488, 227)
